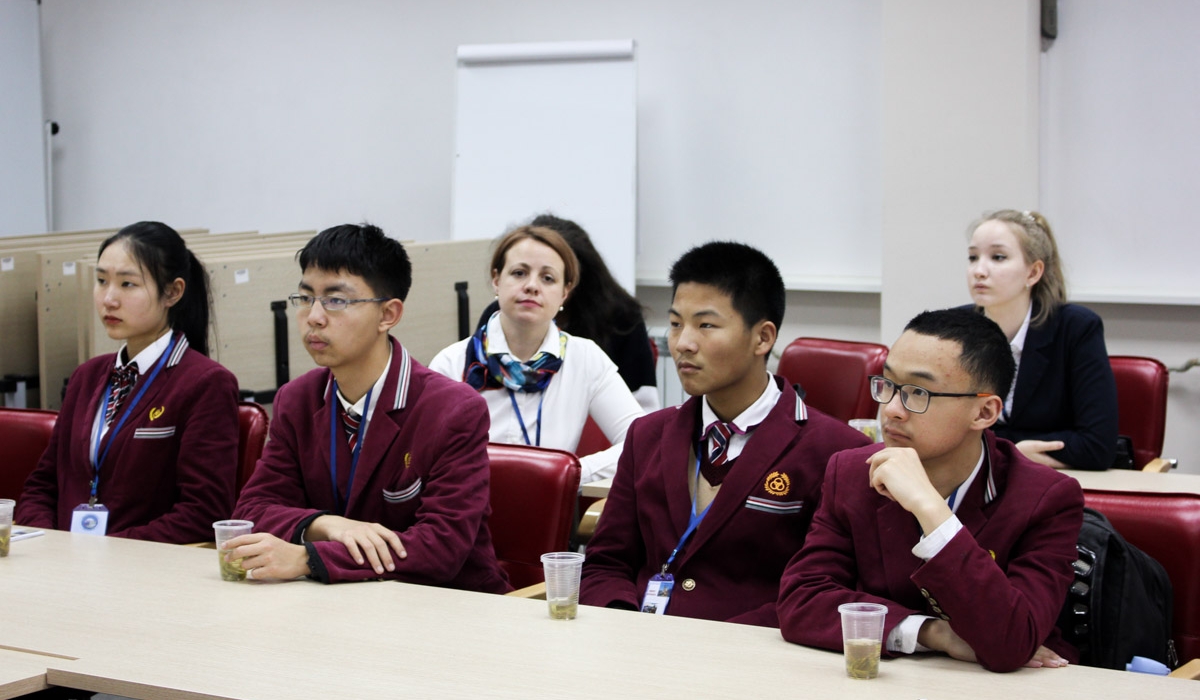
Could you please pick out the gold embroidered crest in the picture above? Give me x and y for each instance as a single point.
(778, 484)
(993, 553)
(407, 460)
(156, 413)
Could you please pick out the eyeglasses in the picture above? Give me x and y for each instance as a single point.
(305, 301)
(913, 397)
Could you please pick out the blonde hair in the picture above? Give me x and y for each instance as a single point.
(1037, 243)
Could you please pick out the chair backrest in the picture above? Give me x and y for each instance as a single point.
(24, 434)
(533, 507)
(833, 374)
(1167, 527)
(1141, 404)
(252, 435)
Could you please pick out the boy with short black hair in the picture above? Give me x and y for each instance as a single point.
(712, 498)
(967, 542)
(376, 467)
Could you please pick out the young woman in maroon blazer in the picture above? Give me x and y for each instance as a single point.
(146, 441)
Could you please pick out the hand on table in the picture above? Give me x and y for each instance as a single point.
(366, 542)
(939, 636)
(266, 557)
(1039, 451)
(1046, 658)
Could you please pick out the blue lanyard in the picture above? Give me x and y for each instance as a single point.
(694, 519)
(98, 455)
(525, 433)
(334, 434)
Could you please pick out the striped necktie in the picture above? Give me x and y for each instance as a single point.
(120, 383)
(350, 423)
(718, 443)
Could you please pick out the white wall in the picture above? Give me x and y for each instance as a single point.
(22, 179)
(286, 114)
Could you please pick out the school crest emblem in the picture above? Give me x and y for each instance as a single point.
(778, 484)
(156, 413)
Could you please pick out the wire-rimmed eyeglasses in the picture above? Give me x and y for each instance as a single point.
(305, 301)
(914, 398)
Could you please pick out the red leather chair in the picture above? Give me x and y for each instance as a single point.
(833, 374)
(1141, 404)
(1167, 527)
(533, 507)
(252, 435)
(24, 434)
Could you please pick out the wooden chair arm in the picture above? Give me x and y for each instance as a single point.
(1160, 465)
(535, 592)
(589, 520)
(1190, 671)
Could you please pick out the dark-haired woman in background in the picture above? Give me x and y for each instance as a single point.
(601, 310)
(1062, 408)
(146, 441)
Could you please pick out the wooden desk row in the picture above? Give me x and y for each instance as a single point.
(147, 620)
(50, 326)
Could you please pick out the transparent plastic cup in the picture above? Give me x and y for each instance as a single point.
(6, 518)
(562, 571)
(226, 530)
(862, 637)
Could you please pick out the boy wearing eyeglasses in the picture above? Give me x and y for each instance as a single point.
(376, 467)
(968, 543)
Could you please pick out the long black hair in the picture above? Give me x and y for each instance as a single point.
(598, 307)
(162, 254)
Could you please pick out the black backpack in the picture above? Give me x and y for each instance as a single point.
(1119, 605)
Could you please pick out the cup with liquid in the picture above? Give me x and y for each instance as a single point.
(6, 518)
(862, 637)
(562, 571)
(226, 530)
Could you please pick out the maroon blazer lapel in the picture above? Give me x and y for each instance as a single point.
(899, 532)
(382, 429)
(678, 468)
(761, 453)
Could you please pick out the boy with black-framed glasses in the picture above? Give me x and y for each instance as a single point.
(968, 543)
(376, 467)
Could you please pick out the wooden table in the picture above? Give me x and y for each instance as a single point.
(21, 673)
(147, 620)
(1130, 480)
(596, 489)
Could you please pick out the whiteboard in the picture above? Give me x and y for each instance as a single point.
(22, 167)
(549, 127)
(1120, 149)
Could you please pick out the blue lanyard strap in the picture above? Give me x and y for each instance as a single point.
(694, 519)
(98, 455)
(512, 396)
(334, 434)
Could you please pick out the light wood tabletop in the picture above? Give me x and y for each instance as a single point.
(1131, 480)
(148, 620)
(596, 489)
(21, 673)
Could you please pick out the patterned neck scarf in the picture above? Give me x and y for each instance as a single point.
(501, 370)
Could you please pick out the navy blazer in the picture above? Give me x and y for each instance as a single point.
(172, 468)
(731, 567)
(1065, 390)
(1000, 582)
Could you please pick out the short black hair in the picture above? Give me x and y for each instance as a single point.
(986, 355)
(363, 250)
(746, 274)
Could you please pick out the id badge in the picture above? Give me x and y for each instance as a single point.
(89, 520)
(658, 594)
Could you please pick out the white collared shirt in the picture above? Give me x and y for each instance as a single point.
(903, 637)
(1018, 347)
(756, 413)
(356, 408)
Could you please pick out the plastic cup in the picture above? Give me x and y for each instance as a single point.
(6, 515)
(562, 571)
(226, 530)
(862, 637)
(869, 427)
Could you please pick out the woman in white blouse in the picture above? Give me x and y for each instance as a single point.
(541, 383)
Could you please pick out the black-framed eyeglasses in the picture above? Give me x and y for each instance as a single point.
(305, 301)
(914, 398)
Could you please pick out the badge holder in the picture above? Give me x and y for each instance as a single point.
(658, 594)
(89, 519)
